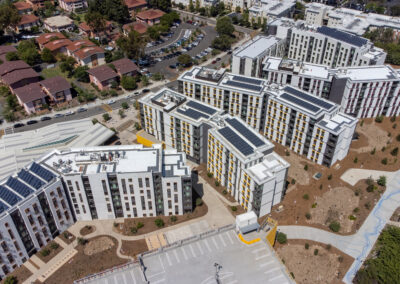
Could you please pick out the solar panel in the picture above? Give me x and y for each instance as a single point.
(299, 102)
(192, 113)
(247, 80)
(8, 196)
(343, 36)
(3, 207)
(201, 107)
(243, 85)
(42, 172)
(310, 98)
(256, 141)
(30, 179)
(19, 187)
(236, 141)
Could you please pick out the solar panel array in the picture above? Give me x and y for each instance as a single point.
(243, 85)
(247, 80)
(236, 141)
(256, 141)
(3, 207)
(343, 36)
(309, 98)
(30, 179)
(19, 187)
(201, 107)
(299, 102)
(8, 196)
(42, 172)
(192, 113)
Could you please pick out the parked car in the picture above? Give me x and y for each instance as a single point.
(17, 125)
(214, 62)
(58, 115)
(71, 112)
(31, 122)
(218, 59)
(172, 66)
(110, 102)
(45, 118)
(145, 91)
(82, 109)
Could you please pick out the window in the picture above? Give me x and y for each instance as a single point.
(176, 210)
(133, 200)
(123, 186)
(109, 207)
(169, 193)
(44, 230)
(103, 182)
(140, 182)
(175, 197)
(40, 221)
(147, 182)
(175, 186)
(11, 234)
(59, 192)
(127, 206)
(169, 204)
(150, 205)
(4, 246)
(142, 201)
(30, 220)
(134, 212)
(58, 214)
(131, 188)
(10, 258)
(63, 204)
(35, 208)
(148, 194)
(77, 186)
(16, 245)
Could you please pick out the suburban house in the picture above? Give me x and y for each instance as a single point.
(45, 38)
(58, 89)
(4, 49)
(23, 7)
(150, 17)
(78, 44)
(140, 27)
(89, 32)
(102, 76)
(72, 5)
(59, 24)
(27, 22)
(17, 74)
(10, 66)
(134, 6)
(36, 4)
(58, 46)
(125, 67)
(90, 56)
(31, 97)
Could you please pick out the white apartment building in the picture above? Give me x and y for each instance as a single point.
(272, 9)
(242, 4)
(247, 59)
(365, 91)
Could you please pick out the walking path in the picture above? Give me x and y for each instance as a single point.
(359, 244)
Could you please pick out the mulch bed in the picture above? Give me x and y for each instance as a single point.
(133, 248)
(87, 230)
(68, 240)
(53, 252)
(21, 273)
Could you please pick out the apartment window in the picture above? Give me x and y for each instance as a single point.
(10, 258)
(4, 246)
(11, 234)
(169, 204)
(150, 205)
(31, 219)
(148, 194)
(69, 183)
(40, 221)
(16, 245)
(59, 192)
(109, 207)
(66, 215)
(169, 193)
(129, 180)
(175, 186)
(134, 212)
(176, 210)
(127, 206)
(84, 209)
(80, 197)
(35, 208)
(142, 201)
(175, 197)
(131, 188)
(123, 186)
(44, 231)
(147, 182)
(77, 186)
(63, 204)
(103, 182)
(133, 200)
(58, 214)
(140, 182)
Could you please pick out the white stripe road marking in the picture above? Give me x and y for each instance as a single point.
(184, 254)
(207, 245)
(222, 240)
(229, 237)
(215, 242)
(133, 276)
(191, 248)
(272, 270)
(276, 277)
(233, 282)
(200, 249)
(176, 255)
(257, 250)
(266, 263)
(158, 281)
(169, 260)
(126, 279)
(262, 256)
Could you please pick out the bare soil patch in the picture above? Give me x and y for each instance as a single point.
(133, 248)
(375, 137)
(396, 215)
(82, 265)
(328, 266)
(88, 229)
(97, 245)
(21, 273)
(52, 248)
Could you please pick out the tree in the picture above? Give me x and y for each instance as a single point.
(133, 44)
(112, 10)
(222, 42)
(225, 26)
(125, 105)
(145, 80)
(11, 280)
(47, 56)
(27, 52)
(163, 5)
(382, 181)
(153, 32)
(67, 65)
(95, 21)
(185, 60)
(106, 117)
(197, 5)
(191, 6)
(334, 226)
(128, 83)
(81, 74)
(9, 16)
(12, 56)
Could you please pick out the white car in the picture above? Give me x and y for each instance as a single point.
(71, 112)
(110, 102)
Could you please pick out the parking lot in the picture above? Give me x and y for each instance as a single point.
(194, 262)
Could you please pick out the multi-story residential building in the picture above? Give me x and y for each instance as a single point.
(27, 23)
(247, 59)
(238, 157)
(271, 9)
(233, 4)
(73, 5)
(365, 91)
(59, 24)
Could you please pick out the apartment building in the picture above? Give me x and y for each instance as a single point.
(238, 157)
(247, 59)
(271, 9)
(237, 95)
(365, 91)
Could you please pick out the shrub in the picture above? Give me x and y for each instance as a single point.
(45, 252)
(306, 167)
(352, 217)
(357, 192)
(328, 246)
(159, 222)
(394, 126)
(398, 138)
(383, 149)
(314, 205)
(316, 252)
(393, 118)
(321, 186)
(306, 246)
(224, 192)
(384, 161)
(125, 105)
(379, 119)
(281, 238)
(330, 177)
(139, 225)
(395, 151)
(293, 181)
(306, 196)
(216, 183)
(370, 188)
(308, 216)
(210, 175)
(334, 226)
(373, 151)
(11, 280)
(121, 113)
(54, 245)
(233, 208)
(367, 205)
(355, 160)
(382, 181)
(287, 153)
(115, 224)
(106, 117)
(199, 201)
(355, 210)
(82, 241)
(173, 218)
(66, 235)
(133, 230)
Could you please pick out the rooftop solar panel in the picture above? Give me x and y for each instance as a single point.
(300, 103)
(3, 207)
(245, 132)
(19, 187)
(192, 113)
(247, 80)
(243, 85)
(42, 172)
(309, 98)
(8, 196)
(201, 107)
(236, 141)
(30, 179)
(343, 36)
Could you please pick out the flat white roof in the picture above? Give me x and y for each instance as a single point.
(257, 46)
(59, 21)
(381, 72)
(265, 170)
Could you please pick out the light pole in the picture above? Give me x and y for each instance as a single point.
(217, 269)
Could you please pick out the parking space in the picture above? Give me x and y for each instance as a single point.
(187, 231)
(132, 275)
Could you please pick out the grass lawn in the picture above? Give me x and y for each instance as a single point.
(53, 72)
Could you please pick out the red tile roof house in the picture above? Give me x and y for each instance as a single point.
(31, 97)
(26, 23)
(58, 89)
(90, 56)
(37, 3)
(58, 46)
(45, 38)
(72, 5)
(135, 6)
(17, 74)
(23, 7)
(78, 44)
(87, 31)
(140, 27)
(150, 17)
(4, 49)
(102, 76)
(125, 67)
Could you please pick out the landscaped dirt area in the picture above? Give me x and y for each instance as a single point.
(49, 251)
(87, 230)
(67, 237)
(133, 248)
(327, 265)
(81, 264)
(21, 273)
(148, 225)
(97, 245)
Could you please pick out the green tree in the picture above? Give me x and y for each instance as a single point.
(197, 5)
(67, 65)
(27, 52)
(106, 117)
(125, 105)
(11, 280)
(9, 16)
(225, 26)
(128, 83)
(281, 238)
(145, 80)
(334, 226)
(185, 59)
(191, 6)
(47, 56)
(163, 5)
(153, 32)
(12, 56)
(223, 42)
(133, 44)
(96, 21)
(81, 74)
(112, 10)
